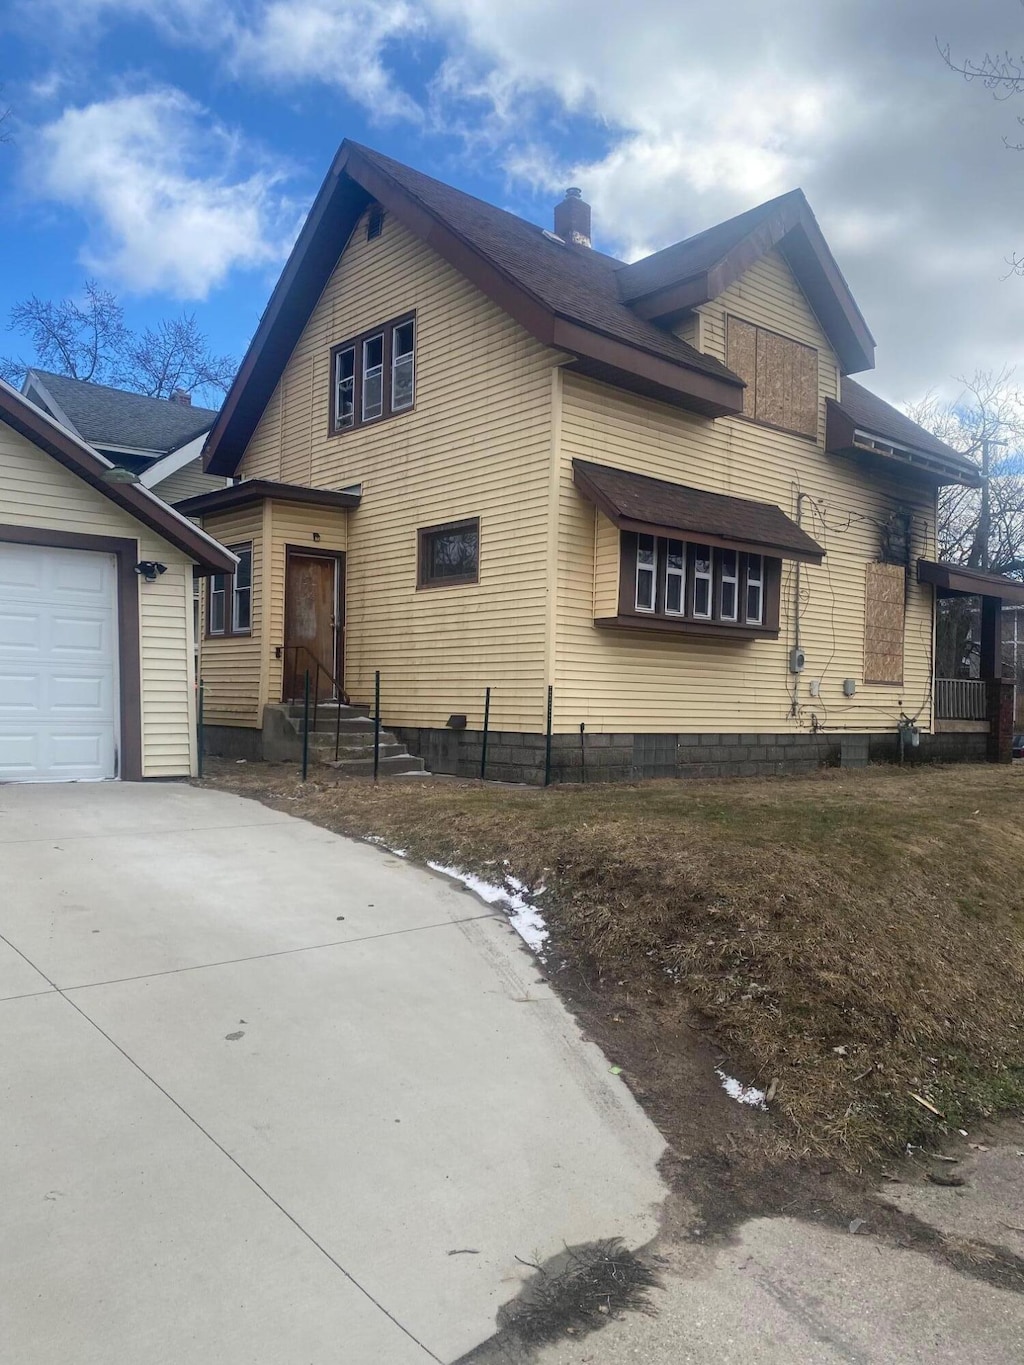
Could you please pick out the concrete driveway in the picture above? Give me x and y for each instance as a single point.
(269, 1095)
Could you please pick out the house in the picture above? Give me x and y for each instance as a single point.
(96, 662)
(642, 502)
(160, 439)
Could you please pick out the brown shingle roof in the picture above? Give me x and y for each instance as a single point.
(573, 282)
(636, 501)
(871, 413)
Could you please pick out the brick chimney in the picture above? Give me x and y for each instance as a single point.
(572, 218)
(182, 397)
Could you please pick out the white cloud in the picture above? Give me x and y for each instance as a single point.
(160, 185)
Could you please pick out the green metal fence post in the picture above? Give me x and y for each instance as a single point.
(487, 723)
(305, 728)
(547, 741)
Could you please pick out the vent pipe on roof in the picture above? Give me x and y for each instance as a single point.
(572, 218)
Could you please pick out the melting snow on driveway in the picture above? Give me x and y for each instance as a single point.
(746, 1094)
(524, 917)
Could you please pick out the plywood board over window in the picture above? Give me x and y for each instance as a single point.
(884, 614)
(781, 377)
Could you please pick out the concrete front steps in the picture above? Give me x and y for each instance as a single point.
(282, 740)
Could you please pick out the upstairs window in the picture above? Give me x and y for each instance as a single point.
(373, 376)
(689, 581)
(781, 376)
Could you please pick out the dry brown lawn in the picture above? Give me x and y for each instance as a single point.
(856, 936)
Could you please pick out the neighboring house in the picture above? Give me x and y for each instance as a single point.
(160, 439)
(96, 661)
(478, 454)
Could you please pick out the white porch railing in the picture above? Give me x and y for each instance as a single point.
(961, 699)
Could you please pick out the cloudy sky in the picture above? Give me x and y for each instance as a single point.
(169, 148)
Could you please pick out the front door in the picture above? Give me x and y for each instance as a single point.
(311, 624)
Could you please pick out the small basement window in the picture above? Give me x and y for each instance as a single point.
(449, 554)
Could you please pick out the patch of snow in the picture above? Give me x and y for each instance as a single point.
(736, 1090)
(513, 898)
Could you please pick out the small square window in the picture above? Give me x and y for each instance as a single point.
(449, 554)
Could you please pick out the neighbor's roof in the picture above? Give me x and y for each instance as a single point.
(636, 502)
(113, 417)
(858, 410)
(90, 466)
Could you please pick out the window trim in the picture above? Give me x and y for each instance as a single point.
(651, 568)
(230, 630)
(423, 534)
(629, 615)
(356, 344)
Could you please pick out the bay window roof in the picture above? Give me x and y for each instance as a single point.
(637, 502)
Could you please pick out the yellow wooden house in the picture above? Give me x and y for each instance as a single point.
(642, 503)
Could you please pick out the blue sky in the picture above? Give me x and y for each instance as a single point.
(169, 149)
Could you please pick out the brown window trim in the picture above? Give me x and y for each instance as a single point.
(759, 421)
(387, 330)
(658, 619)
(425, 584)
(126, 553)
(229, 632)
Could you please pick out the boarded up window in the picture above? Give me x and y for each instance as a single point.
(781, 377)
(884, 608)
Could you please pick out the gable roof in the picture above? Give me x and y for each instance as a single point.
(106, 416)
(90, 466)
(864, 424)
(668, 283)
(567, 297)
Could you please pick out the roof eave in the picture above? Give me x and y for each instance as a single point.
(145, 506)
(844, 437)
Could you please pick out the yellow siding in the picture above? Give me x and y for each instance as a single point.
(294, 524)
(232, 667)
(37, 491)
(477, 444)
(625, 682)
(606, 566)
(187, 482)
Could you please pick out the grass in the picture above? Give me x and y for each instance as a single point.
(856, 936)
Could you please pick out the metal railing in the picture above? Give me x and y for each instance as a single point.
(307, 673)
(961, 699)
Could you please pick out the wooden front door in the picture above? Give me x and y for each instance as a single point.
(311, 624)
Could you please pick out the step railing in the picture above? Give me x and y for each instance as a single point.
(961, 699)
(309, 670)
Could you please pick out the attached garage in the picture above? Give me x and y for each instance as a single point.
(97, 676)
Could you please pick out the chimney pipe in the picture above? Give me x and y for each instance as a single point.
(181, 397)
(572, 218)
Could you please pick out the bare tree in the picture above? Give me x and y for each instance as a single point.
(88, 339)
(989, 410)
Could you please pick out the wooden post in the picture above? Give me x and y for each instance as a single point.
(991, 638)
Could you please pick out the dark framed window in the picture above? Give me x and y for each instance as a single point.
(373, 375)
(229, 597)
(693, 585)
(449, 554)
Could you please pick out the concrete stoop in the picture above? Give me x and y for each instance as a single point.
(282, 740)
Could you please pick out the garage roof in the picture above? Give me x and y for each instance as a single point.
(91, 467)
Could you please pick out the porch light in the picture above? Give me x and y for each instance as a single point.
(150, 570)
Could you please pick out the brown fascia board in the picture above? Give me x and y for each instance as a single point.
(314, 256)
(966, 582)
(336, 210)
(263, 490)
(42, 431)
(795, 231)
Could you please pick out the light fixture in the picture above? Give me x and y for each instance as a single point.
(118, 475)
(150, 570)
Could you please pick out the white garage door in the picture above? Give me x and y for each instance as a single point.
(58, 664)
